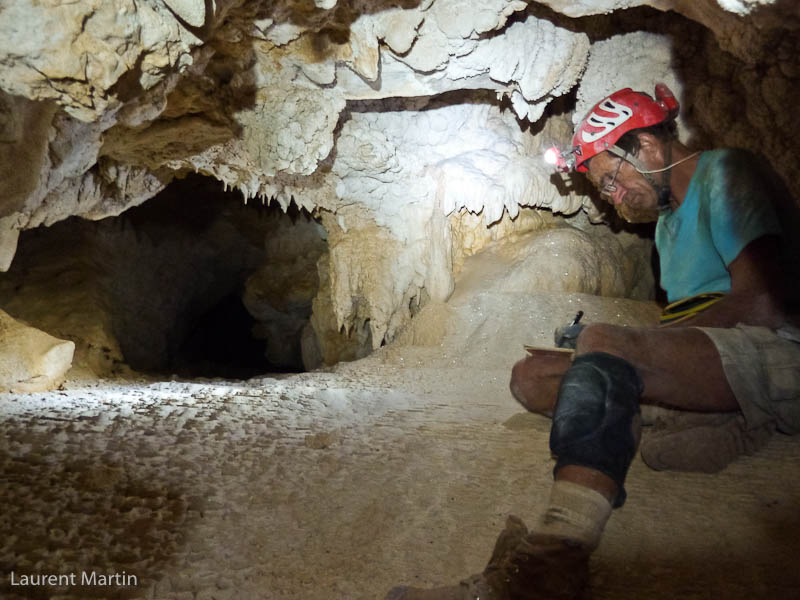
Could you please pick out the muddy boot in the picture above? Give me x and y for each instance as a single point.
(701, 443)
(523, 566)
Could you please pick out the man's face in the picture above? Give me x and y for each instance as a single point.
(624, 188)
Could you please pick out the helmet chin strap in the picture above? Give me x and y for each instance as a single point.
(663, 190)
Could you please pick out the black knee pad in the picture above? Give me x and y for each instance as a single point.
(593, 418)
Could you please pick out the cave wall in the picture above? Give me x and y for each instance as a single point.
(411, 129)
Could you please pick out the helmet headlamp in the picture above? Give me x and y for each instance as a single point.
(564, 161)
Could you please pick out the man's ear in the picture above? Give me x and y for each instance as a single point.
(651, 150)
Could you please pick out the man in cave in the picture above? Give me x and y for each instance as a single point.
(734, 352)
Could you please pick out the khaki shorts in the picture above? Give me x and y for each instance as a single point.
(763, 369)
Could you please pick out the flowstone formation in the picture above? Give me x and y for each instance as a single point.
(409, 130)
(31, 360)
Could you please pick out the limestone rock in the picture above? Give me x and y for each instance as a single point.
(326, 340)
(546, 62)
(398, 28)
(470, 156)
(454, 50)
(483, 326)
(310, 350)
(499, 305)
(56, 286)
(563, 259)
(9, 235)
(637, 60)
(30, 359)
(130, 289)
(291, 131)
(363, 298)
(191, 11)
(106, 190)
(55, 166)
(745, 28)
(25, 130)
(471, 236)
(280, 293)
(153, 146)
(77, 53)
(726, 18)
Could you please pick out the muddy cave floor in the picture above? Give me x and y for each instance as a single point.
(399, 468)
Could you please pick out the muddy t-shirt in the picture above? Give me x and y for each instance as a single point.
(729, 204)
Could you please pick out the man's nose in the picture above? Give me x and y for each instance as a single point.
(617, 194)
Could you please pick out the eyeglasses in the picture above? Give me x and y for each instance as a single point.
(609, 188)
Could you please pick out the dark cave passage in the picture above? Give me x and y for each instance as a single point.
(220, 343)
(193, 283)
(241, 281)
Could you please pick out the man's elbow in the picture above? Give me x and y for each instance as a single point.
(768, 309)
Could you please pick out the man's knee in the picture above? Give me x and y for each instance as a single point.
(595, 424)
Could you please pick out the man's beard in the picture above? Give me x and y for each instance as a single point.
(637, 215)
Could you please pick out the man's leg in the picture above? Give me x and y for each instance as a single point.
(595, 434)
(679, 367)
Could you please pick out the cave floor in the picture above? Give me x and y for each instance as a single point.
(399, 468)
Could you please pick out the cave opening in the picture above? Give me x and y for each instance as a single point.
(250, 272)
(194, 283)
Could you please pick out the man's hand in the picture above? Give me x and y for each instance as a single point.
(535, 378)
(567, 336)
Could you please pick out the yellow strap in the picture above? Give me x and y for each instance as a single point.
(688, 307)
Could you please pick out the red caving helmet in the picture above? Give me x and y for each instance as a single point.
(609, 120)
(619, 113)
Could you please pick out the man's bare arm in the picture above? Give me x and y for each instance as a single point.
(756, 296)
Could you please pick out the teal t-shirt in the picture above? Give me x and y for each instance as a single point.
(727, 206)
